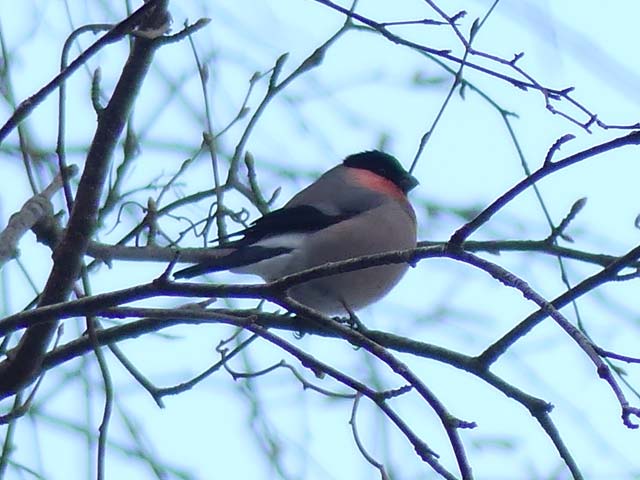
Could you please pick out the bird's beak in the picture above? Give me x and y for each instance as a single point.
(409, 182)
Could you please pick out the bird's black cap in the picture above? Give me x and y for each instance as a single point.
(385, 165)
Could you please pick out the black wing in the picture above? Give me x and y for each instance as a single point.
(303, 218)
(299, 219)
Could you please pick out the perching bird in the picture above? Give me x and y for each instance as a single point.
(357, 208)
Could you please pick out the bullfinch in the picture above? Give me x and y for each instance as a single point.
(357, 208)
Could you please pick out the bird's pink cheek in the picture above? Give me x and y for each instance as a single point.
(372, 181)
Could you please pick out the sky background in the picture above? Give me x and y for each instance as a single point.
(366, 89)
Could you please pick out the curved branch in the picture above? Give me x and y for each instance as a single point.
(547, 168)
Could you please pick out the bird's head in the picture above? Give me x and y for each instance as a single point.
(384, 165)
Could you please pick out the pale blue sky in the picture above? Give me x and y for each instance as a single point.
(364, 89)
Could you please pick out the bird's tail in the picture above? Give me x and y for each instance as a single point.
(227, 259)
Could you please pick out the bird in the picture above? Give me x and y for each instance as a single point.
(359, 207)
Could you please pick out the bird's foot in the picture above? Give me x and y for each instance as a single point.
(352, 321)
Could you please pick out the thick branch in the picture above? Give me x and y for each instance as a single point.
(23, 365)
